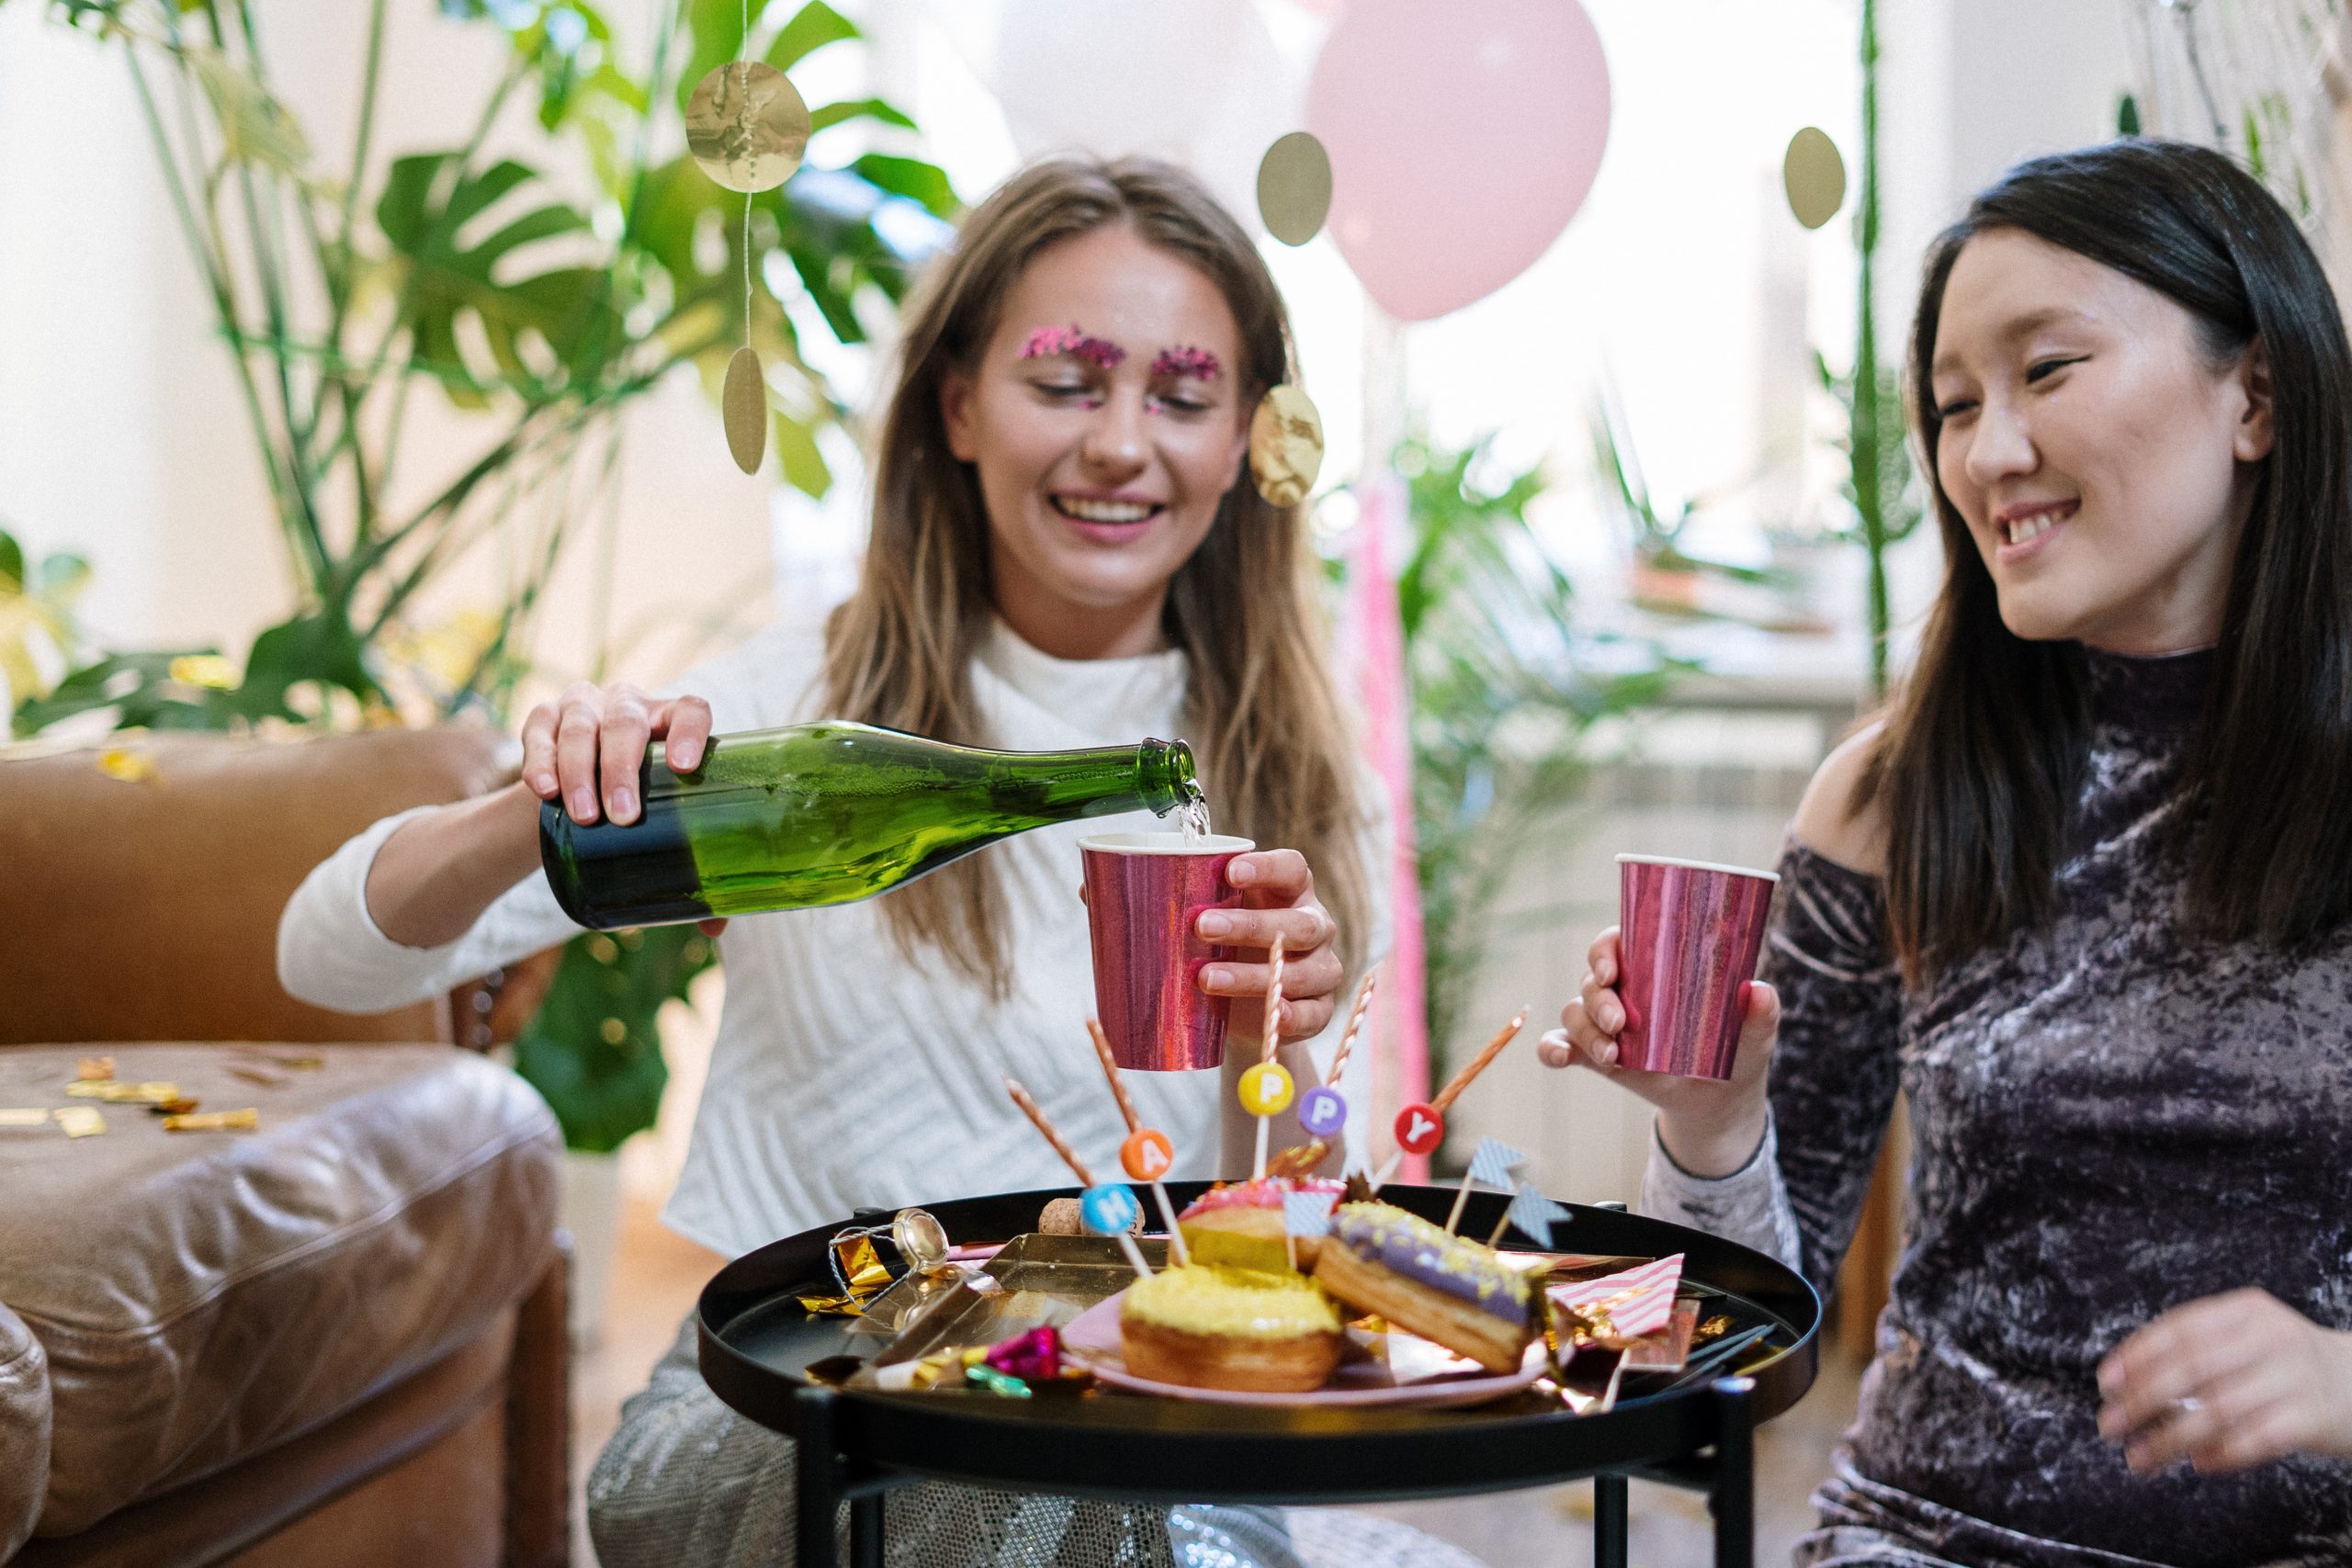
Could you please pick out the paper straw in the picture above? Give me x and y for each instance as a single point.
(1265, 1131)
(1355, 1023)
(1478, 1063)
(1387, 1169)
(1273, 999)
(1135, 1255)
(1029, 1107)
(1111, 1071)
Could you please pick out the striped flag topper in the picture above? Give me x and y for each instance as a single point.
(1536, 1214)
(1307, 1213)
(1494, 1162)
(1634, 1301)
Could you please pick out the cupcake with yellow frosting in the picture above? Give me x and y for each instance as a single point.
(1204, 1326)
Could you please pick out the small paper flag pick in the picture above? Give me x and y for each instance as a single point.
(1307, 1213)
(1534, 1214)
(1494, 1162)
(1491, 1166)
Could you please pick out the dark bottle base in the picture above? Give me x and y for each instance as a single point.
(640, 869)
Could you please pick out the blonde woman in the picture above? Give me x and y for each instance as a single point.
(1066, 551)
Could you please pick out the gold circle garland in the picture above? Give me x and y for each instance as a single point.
(1285, 446)
(747, 126)
(1814, 177)
(1294, 187)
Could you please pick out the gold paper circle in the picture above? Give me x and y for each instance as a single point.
(1814, 176)
(747, 126)
(1294, 187)
(1285, 446)
(743, 405)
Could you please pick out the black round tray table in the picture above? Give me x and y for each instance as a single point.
(856, 1446)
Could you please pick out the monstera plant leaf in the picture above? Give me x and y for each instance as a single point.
(427, 212)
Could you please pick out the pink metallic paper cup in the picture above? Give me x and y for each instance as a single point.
(1689, 938)
(1144, 891)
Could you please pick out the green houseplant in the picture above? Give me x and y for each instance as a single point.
(344, 294)
(1504, 686)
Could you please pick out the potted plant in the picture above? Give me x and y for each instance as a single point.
(345, 293)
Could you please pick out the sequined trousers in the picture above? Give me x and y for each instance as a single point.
(686, 1482)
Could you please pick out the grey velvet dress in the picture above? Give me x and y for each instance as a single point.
(2110, 1118)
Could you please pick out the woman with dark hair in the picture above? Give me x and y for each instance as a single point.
(2082, 896)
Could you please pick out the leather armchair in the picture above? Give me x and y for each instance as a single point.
(339, 1337)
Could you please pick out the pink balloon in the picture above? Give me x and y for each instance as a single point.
(1462, 137)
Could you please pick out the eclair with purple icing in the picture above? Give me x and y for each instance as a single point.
(1452, 1292)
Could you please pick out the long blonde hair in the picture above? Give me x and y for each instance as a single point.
(1259, 705)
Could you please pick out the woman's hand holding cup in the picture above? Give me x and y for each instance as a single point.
(1709, 1127)
(1277, 898)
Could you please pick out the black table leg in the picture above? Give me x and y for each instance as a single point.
(818, 1472)
(866, 1532)
(1733, 1497)
(1608, 1521)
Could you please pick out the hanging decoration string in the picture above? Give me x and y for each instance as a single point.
(747, 127)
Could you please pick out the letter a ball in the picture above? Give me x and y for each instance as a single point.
(1146, 1153)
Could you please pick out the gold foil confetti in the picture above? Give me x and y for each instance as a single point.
(1814, 176)
(81, 1120)
(1285, 446)
(1294, 187)
(243, 1120)
(253, 1073)
(743, 407)
(180, 1107)
(91, 1068)
(34, 1116)
(280, 1059)
(856, 1264)
(115, 1092)
(126, 764)
(747, 126)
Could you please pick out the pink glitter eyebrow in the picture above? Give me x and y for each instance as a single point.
(1053, 343)
(1186, 361)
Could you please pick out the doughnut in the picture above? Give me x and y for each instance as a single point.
(1208, 1327)
(1243, 1223)
(1449, 1290)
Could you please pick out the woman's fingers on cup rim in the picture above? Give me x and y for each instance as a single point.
(1601, 956)
(1275, 871)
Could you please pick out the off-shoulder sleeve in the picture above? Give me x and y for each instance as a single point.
(1834, 1074)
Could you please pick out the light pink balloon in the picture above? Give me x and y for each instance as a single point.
(1462, 137)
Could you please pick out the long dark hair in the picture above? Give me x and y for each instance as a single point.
(1985, 754)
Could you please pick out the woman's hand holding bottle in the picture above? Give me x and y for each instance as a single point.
(1710, 1128)
(589, 743)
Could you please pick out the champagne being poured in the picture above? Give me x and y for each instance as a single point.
(831, 812)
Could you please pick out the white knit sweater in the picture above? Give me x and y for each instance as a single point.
(844, 1075)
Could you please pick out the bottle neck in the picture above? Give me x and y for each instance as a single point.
(1164, 774)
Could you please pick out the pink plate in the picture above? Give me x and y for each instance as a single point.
(1092, 1340)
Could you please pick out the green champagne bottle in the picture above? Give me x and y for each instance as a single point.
(827, 813)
